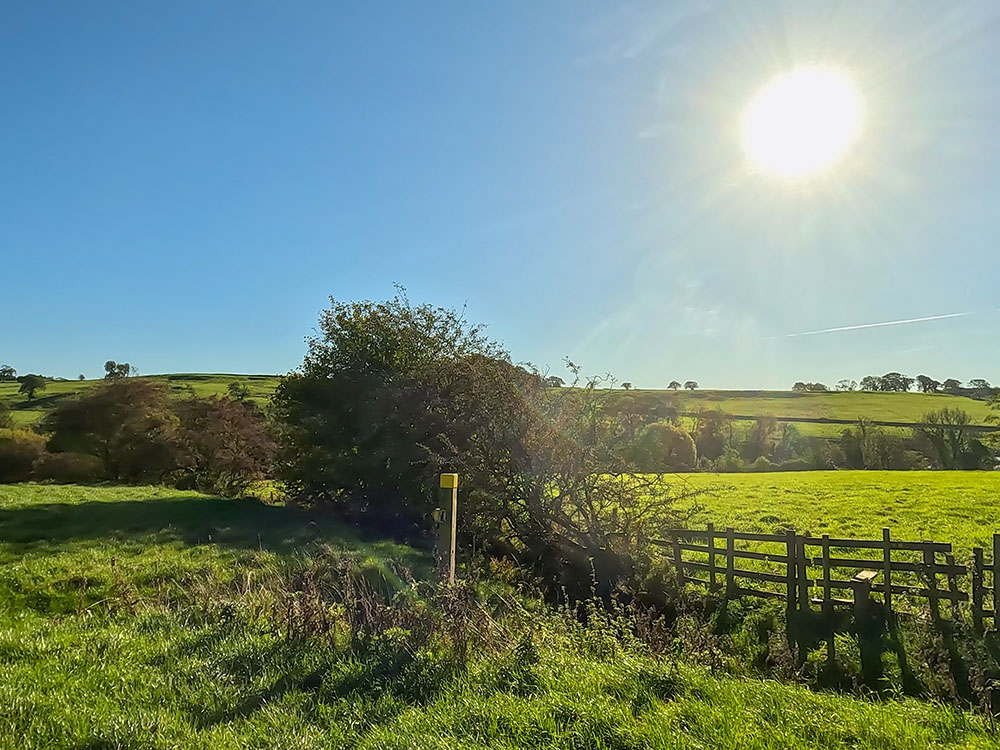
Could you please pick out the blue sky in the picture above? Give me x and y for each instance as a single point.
(183, 184)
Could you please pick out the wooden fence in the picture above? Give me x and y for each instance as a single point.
(804, 570)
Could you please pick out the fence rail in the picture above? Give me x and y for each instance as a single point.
(779, 566)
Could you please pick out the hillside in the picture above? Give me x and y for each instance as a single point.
(182, 385)
(905, 408)
(148, 617)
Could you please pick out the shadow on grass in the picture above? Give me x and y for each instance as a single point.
(199, 520)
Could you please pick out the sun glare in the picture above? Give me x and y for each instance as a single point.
(800, 123)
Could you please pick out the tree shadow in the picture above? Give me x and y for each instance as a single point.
(246, 523)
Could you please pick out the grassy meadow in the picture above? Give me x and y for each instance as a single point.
(961, 507)
(127, 621)
(182, 385)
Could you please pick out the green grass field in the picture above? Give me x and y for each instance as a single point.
(181, 386)
(107, 641)
(886, 407)
(961, 507)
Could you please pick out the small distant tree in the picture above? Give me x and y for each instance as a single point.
(81, 376)
(946, 440)
(7, 374)
(979, 384)
(6, 420)
(870, 383)
(238, 391)
(627, 386)
(674, 385)
(30, 384)
(663, 446)
(115, 370)
(895, 382)
(554, 381)
(710, 434)
(691, 385)
(799, 387)
(950, 385)
(847, 385)
(927, 384)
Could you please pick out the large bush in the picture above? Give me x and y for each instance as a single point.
(68, 468)
(224, 445)
(126, 423)
(391, 394)
(664, 446)
(19, 449)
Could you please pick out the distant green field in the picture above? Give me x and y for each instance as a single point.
(182, 385)
(129, 619)
(961, 507)
(887, 407)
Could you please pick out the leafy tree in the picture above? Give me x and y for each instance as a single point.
(114, 370)
(951, 384)
(674, 385)
(627, 386)
(7, 374)
(870, 383)
(554, 381)
(81, 376)
(847, 385)
(691, 385)
(710, 434)
(760, 441)
(390, 394)
(224, 446)
(946, 440)
(127, 423)
(927, 384)
(979, 384)
(30, 384)
(870, 447)
(801, 387)
(664, 446)
(895, 382)
(238, 391)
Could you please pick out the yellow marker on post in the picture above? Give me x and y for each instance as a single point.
(446, 518)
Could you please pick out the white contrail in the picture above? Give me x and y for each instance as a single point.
(879, 325)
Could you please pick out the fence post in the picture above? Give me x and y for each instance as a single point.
(711, 557)
(996, 581)
(887, 569)
(790, 567)
(931, 564)
(977, 589)
(949, 560)
(446, 517)
(800, 554)
(678, 563)
(831, 650)
(730, 561)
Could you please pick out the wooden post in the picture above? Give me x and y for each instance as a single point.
(996, 582)
(977, 589)
(831, 641)
(730, 561)
(887, 569)
(949, 560)
(861, 584)
(800, 555)
(678, 562)
(827, 598)
(790, 568)
(712, 586)
(931, 565)
(446, 517)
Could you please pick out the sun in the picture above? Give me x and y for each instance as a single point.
(802, 122)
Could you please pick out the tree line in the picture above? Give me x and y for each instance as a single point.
(895, 382)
